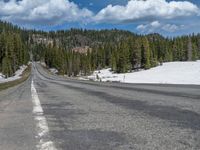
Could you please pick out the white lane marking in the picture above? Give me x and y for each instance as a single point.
(42, 127)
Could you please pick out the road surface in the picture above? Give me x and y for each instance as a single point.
(51, 113)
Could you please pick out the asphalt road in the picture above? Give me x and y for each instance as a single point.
(55, 113)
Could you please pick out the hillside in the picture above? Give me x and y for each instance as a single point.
(78, 52)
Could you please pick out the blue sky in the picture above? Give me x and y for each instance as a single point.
(168, 17)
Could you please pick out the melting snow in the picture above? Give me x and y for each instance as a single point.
(53, 70)
(168, 73)
(17, 75)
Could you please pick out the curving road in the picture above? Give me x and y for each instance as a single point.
(51, 113)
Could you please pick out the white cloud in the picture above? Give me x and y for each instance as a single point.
(43, 11)
(156, 26)
(142, 27)
(54, 12)
(172, 27)
(143, 9)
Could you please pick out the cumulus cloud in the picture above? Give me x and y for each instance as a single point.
(172, 27)
(156, 26)
(43, 12)
(142, 9)
(143, 12)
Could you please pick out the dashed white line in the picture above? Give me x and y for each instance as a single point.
(42, 127)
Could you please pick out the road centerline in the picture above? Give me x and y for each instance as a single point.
(41, 123)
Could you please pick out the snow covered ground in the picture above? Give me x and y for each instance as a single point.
(168, 73)
(18, 74)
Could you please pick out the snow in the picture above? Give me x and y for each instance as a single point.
(17, 75)
(42, 63)
(53, 70)
(168, 73)
(82, 78)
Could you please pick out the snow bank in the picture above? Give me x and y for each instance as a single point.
(1, 76)
(53, 70)
(168, 73)
(17, 75)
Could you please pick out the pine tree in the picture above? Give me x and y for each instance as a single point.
(136, 54)
(189, 51)
(194, 52)
(145, 53)
(113, 62)
(7, 67)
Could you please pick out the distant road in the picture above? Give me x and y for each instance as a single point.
(50, 112)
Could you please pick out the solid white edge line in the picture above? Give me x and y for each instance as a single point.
(42, 126)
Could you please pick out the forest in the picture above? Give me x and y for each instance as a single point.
(123, 51)
(13, 49)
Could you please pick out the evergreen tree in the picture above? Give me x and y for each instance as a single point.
(7, 67)
(189, 51)
(145, 54)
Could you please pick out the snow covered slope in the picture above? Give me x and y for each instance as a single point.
(168, 73)
(18, 74)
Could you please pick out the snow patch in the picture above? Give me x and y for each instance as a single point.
(53, 70)
(168, 73)
(42, 63)
(83, 78)
(16, 76)
(1, 76)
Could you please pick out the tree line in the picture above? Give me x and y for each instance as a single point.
(122, 51)
(13, 50)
